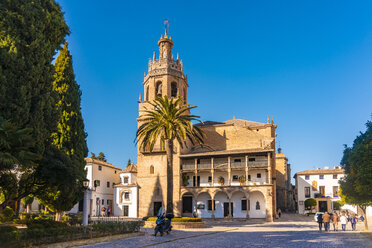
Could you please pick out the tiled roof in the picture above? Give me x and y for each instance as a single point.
(132, 168)
(96, 161)
(234, 121)
(321, 172)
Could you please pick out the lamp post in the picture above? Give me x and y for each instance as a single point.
(85, 203)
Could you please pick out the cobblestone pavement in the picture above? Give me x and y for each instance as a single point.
(289, 231)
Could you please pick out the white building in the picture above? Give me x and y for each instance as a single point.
(126, 193)
(320, 184)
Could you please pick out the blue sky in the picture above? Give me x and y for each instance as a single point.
(306, 63)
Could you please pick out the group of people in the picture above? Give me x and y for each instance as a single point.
(326, 218)
(106, 211)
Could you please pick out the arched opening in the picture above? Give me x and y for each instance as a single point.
(187, 204)
(239, 204)
(257, 205)
(158, 89)
(152, 169)
(204, 205)
(174, 89)
(222, 205)
(147, 94)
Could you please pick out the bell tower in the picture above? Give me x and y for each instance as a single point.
(165, 75)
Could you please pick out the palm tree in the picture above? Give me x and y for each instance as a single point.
(168, 121)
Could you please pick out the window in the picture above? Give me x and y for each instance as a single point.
(249, 177)
(198, 161)
(322, 190)
(126, 196)
(108, 184)
(103, 202)
(210, 205)
(209, 179)
(151, 169)
(126, 179)
(258, 175)
(258, 207)
(335, 176)
(307, 192)
(238, 160)
(147, 93)
(244, 205)
(307, 177)
(174, 89)
(115, 172)
(99, 167)
(235, 178)
(108, 202)
(158, 89)
(335, 191)
(251, 159)
(321, 176)
(97, 183)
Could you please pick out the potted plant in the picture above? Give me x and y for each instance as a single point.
(221, 180)
(185, 180)
(242, 180)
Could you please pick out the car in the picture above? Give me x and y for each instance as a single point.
(317, 214)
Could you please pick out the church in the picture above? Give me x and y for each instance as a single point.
(233, 175)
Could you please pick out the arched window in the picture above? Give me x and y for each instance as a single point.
(151, 169)
(147, 93)
(158, 89)
(174, 89)
(258, 205)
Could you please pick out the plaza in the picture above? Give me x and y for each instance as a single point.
(291, 230)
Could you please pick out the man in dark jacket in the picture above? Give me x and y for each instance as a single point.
(320, 221)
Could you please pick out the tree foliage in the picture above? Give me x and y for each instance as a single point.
(101, 156)
(311, 202)
(168, 121)
(69, 138)
(356, 186)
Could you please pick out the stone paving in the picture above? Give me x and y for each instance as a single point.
(290, 231)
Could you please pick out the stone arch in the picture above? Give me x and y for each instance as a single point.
(221, 197)
(188, 203)
(158, 89)
(257, 204)
(174, 89)
(239, 204)
(121, 195)
(204, 203)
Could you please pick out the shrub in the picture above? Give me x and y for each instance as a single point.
(7, 215)
(44, 223)
(337, 205)
(309, 203)
(179, 219)
(4, 229)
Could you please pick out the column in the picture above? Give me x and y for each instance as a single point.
(230, 216)
(212, 198)
(247, 215)
(246, 172)
(269, 168)
(196, 207)
(229, 170)
(196, 172)
(212, 172)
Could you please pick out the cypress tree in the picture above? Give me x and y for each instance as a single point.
(30, 33)
(69, 139)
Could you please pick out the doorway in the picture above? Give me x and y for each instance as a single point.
(323, 206)
(157, 207)
(126, 210)
(187, 204)
(226, 209)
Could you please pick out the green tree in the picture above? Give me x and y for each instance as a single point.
(101, 156)
(93, 155)
(310, 203)
(129, 162)
(167, 122)
(69, 138)
(356, 186)
(30, 34)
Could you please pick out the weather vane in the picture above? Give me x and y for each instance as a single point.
(166, 24)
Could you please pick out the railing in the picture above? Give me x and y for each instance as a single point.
(237, 164)
(188, 166)
(259, 163)
(206, 165)
(221, 165)
(224, 165)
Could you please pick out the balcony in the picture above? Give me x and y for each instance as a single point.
(224, 165)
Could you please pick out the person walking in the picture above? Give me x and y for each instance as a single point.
(103, 211)
(279, 212)
(335, 220)
(326, 220)
(353, 221)
(108, 211)
(343, 220)
(320, 221)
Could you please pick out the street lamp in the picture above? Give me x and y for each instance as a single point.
(85, 203)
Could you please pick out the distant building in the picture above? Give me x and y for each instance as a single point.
(320, 184)
(126, 193)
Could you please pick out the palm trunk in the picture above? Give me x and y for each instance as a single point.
(169, 152)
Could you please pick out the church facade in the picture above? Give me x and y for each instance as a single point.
(232, 175)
